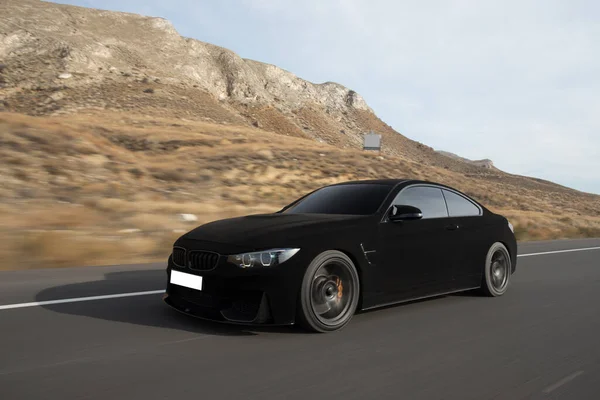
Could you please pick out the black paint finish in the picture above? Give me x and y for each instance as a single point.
(397, 261)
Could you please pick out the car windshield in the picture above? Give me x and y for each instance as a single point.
(353, 199)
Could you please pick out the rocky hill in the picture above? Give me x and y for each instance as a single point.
(485, 163)
(62, 59)
(114, 127)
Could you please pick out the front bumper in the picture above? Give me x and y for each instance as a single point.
(261, 296)
(249, 308)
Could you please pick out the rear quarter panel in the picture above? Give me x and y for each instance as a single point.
(476, 236)
(499, 231)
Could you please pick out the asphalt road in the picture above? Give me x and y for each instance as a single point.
(539, 341)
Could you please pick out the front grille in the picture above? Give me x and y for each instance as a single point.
(179, 256)
(202, 260)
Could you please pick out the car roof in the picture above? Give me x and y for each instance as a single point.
(391, 182)
(396, 182)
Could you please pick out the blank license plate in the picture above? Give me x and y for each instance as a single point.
(187, 280)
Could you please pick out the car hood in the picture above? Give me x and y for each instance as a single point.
(265, 230)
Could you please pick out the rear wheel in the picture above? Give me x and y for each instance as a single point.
(329, 293)
(497, 271)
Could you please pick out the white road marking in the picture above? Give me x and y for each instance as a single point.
(564, 380)
(558, 251)
(77, 299)
(118, 295)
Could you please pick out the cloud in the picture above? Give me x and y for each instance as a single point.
(514, 81)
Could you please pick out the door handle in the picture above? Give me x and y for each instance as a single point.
(452, 227)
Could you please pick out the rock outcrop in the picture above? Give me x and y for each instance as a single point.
(485, 163)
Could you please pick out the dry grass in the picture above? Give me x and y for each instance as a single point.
(108, 187)
(95, 187)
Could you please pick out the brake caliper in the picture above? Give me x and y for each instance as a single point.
(340, 287)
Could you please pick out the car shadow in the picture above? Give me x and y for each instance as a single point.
(146, 310)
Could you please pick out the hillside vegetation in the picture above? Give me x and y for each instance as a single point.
(113, 126)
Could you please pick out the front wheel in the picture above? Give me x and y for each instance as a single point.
(497, 271)
(329, 293)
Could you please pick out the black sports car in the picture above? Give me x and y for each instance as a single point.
(342, 248)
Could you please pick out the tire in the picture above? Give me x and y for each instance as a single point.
(329, 293)
(497, 271)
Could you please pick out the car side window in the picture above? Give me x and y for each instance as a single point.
(458, 206)
(429, 200)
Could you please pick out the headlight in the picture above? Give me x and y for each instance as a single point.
(267, 258)
(511, 226)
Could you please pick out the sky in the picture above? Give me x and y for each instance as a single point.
(517, 82)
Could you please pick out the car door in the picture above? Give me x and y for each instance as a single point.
(469, 240)
(417, 255)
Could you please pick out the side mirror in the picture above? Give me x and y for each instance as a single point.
(404, 213)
